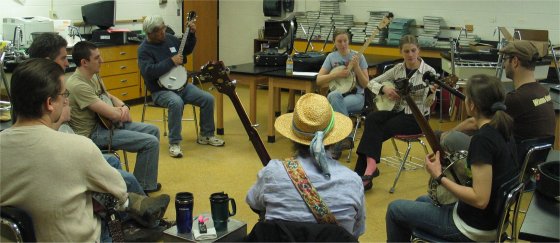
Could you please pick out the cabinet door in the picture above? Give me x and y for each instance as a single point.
(206, 32)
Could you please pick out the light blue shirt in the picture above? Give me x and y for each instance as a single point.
(343, 193)
(334, 59)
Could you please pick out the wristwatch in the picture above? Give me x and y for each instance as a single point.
(438, 179)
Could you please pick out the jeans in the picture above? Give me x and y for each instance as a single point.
(455, 141)
(136, 137)
(132, 185)
(175, 102)
(351, 103)
(403, 216)
(105, 234)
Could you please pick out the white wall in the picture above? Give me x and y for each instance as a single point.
(71, 9)
(240, 19)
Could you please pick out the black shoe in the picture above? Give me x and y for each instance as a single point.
(133, 232)
(157, 189)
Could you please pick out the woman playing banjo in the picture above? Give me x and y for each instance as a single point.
(344, 101)
(491, 160)
(397, 119)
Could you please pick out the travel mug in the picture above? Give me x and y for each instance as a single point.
(219, 204)
(184, 211)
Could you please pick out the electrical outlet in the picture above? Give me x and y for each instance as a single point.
(469, 27)
(178, 12)
(52, 14)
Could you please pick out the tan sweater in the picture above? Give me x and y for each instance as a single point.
(51, 175)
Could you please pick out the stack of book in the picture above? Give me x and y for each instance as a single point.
(307, 22)
(375, 18)
(343, 21)
(358, 33)
(398, 28)
(329, 6)
(432, 29)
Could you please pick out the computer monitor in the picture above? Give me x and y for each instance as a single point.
(102, 14)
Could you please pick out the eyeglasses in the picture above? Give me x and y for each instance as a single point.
(65, 94)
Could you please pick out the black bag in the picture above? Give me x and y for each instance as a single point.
(309, 61)
(270, 58)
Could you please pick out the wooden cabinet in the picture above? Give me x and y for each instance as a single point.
(119, 71)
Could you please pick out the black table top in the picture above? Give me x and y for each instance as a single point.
(542, 220)
(251, 69)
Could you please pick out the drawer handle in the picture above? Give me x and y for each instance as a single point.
(124, 94)
(124, 80)
(123, 67)
(123, 53)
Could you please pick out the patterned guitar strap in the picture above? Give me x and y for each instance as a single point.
(310, 196)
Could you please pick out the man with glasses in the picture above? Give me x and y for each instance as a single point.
(529, 104)
(52, 175)
(86, 102)
(52, 46)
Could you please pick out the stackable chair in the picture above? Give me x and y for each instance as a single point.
(194, 77)
(510, 193)
(16, 225)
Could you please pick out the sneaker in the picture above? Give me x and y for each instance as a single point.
(175, 151)
(214, 141)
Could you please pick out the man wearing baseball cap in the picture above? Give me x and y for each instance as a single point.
(529, 104)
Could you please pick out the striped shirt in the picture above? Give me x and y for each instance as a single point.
(420, 96)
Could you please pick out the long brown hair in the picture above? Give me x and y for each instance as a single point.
(487, 94)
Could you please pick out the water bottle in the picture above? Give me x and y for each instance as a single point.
(289, 66)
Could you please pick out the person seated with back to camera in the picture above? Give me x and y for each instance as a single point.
(352, 101)
(384, 124)
(86, 90)
(52, 175)
(157, 55)
(53, 47)
(491, 161)
(312, 126)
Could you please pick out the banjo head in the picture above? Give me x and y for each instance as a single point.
(342, 85)
(382, 102)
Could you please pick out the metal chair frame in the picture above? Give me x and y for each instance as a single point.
(405, 161)
(164, 109)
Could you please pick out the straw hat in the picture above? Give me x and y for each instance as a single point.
(313, 113)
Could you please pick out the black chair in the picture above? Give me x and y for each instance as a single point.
(360, 117)
(509, 192)
(16, 225)
(287, 231)
(532, 152)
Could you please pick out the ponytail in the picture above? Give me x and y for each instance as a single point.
(502, 122)
(488, 95)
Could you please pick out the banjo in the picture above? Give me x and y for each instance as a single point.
(384, 103)
(345, 85)
(176, 78)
